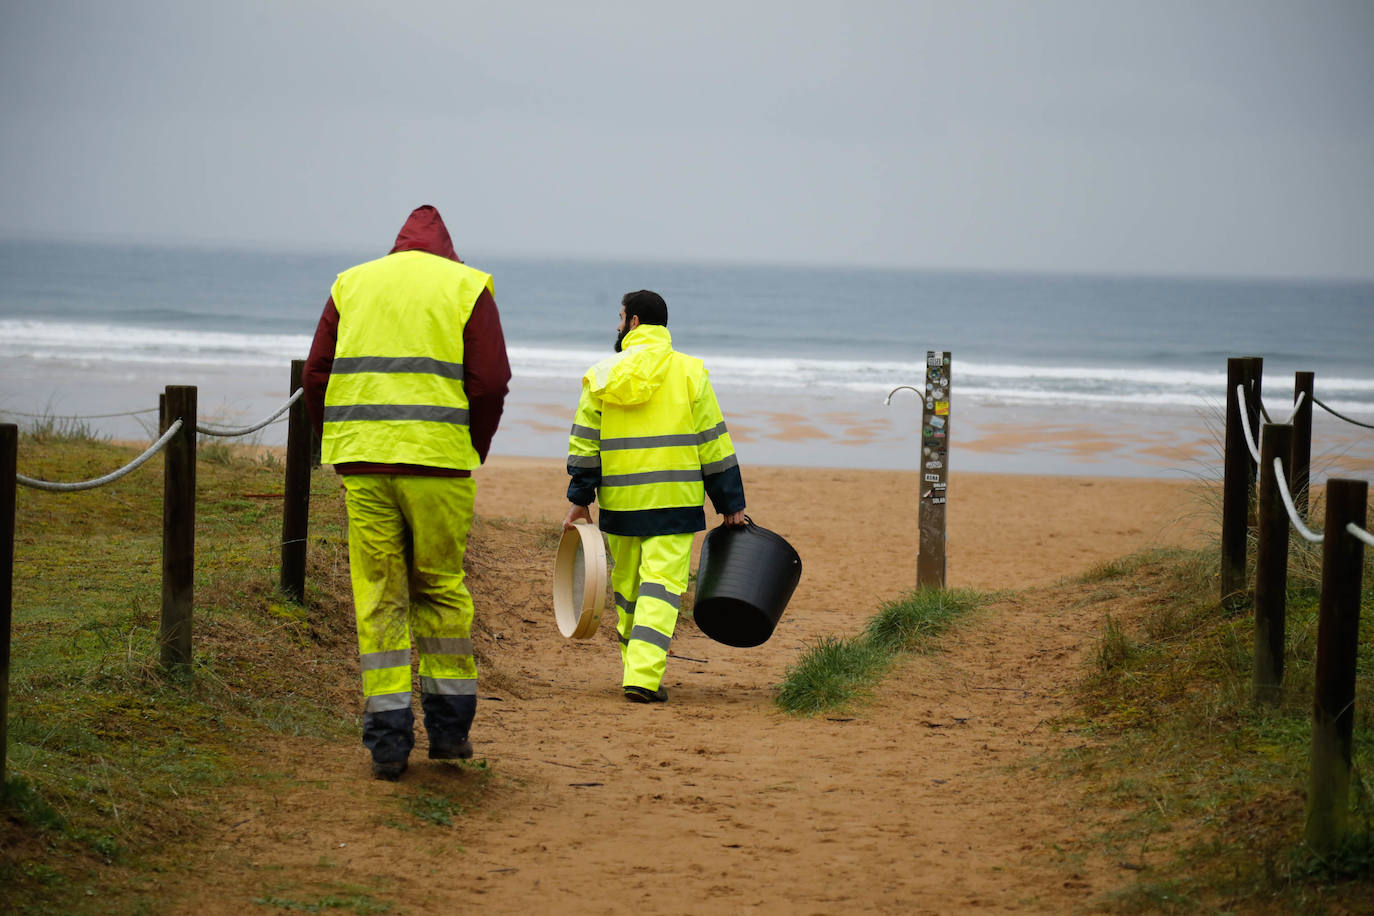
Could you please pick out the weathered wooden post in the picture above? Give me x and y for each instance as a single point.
(1238, 485)
(930, 558)
(295, 519)
(178, 529)
(1271, 568)
(9, 470)
(1333, 708)
(1300, 462)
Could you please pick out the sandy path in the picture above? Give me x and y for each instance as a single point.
(716, 802)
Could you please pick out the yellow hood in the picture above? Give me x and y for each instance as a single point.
(634, 374)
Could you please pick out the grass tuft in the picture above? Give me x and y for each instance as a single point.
(835, 671)
(53, 430)
(830, 673)
(913, 621)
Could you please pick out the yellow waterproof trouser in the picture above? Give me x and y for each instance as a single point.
(648, 579)
(406, 541)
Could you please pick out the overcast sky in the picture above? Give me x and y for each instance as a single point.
(1196, 137)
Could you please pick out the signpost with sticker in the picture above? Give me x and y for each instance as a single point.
(935, 397)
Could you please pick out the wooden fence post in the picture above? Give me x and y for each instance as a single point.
(1299, 467)
(9, 468)
(295, 518)
(178, 529)
(1238, 485)
(1333, 707)
(1271, 568)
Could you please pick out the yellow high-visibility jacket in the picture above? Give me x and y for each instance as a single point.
(395, 392)
(649, 442)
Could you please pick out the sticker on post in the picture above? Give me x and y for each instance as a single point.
(932, 478)
(942, 408)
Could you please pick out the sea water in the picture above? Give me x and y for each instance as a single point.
(785, 337)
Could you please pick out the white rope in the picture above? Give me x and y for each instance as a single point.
(223, 431)
(92, 416)
(1360, 533)
(1288, 504)
(1296, 404)
(1318, 401)
(108, 478)
(1245, 424)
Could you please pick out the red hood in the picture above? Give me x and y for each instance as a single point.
(425, 231)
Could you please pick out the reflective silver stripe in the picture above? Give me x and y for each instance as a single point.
(654, 590)
(628, 480)
(715, 467)
(624, 603)
(449, 686)
(584, 461)
(428, 412)
(651, 636)
(443, 645)
(385, 702)
(624, 640)
(425, 365)
(714, 432)
(394, 658)
(610, 445)
(586, 432)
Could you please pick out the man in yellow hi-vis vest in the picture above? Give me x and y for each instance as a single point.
(649, 444)
(406, 381)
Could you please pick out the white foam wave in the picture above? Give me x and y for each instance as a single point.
(986, 382)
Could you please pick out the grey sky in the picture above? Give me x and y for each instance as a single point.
(1155, 137)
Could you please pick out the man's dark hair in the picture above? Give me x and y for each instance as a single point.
(646, 305)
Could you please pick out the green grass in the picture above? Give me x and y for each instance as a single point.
(362, 904)
(1212, 787)
(835, 671)
(106, 752)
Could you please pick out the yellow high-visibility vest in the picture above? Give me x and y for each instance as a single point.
(395, 392)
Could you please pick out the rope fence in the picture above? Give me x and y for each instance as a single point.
(245, 430)
(92, 416)
(111, 477)
(177, 443)
(1279, 455)
(1281, 478)
(1341, 416)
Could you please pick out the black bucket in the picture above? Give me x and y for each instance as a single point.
(746, 576)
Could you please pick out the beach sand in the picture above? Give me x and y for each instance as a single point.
(929, 798)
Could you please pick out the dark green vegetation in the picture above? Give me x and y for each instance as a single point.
(110, 761)
(1212, 788)
(835, 671)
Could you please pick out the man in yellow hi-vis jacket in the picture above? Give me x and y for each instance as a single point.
(406, 380)
(649, 444)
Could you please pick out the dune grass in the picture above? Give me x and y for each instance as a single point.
(836, 671)
(1213, 786)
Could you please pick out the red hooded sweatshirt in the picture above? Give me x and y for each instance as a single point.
(486, 370)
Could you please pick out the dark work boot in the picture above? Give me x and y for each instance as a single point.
(389, 771)
(645, 695)
(448, 719)
(461, 750)
(389, 735)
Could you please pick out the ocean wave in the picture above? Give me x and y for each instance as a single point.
(988, 382)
